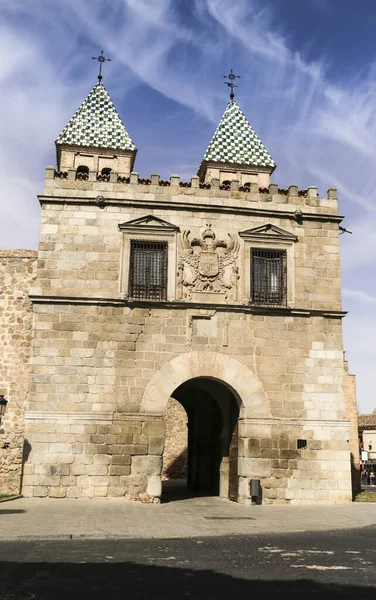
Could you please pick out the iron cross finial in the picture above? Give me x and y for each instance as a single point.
(101, 59)
(231, 83)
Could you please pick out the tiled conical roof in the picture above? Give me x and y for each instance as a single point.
(97, 124)
(234, 141)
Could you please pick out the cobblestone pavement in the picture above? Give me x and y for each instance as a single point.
(55, 519)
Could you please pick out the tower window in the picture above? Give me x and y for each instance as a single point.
(104, 174)
(268, 277)
(302, 444)
(148, 270)
(82, 173)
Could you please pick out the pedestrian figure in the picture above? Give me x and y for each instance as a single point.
(372, 477)
(364, 477)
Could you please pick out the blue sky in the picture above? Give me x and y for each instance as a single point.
(308, 88)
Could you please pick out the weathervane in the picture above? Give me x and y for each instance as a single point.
(231, 83)
(101, 59)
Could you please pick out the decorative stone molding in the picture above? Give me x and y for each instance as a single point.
(268, 232)
(148, 224)
(283, 421)
(101, 418)
(132, 303)
(206, 204)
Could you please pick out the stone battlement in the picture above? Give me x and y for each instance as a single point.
(94, 182)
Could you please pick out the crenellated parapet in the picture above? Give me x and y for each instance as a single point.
(112, 186)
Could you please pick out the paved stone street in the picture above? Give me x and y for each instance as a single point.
(191, 517)
(337, 564)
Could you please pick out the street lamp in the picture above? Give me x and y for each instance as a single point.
(3, 405)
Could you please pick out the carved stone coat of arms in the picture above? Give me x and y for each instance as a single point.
(207, 265)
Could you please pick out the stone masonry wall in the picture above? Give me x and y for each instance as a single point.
(94, 351)
(93, 362)
(81, 245)
(17, 273)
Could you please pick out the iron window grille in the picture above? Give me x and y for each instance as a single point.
(302, 444)
(148, 270)
(269, 277)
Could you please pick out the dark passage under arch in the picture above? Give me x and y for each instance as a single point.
(212, 440)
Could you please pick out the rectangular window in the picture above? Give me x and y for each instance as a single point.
(302, 444)
(148, 270)
(268, 277)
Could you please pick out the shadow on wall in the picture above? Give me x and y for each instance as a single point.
(177, 468)
(175, 453)
(355, 476)
(46, 580)
(25, 456)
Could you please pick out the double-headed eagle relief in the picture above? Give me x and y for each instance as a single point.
(204, 264)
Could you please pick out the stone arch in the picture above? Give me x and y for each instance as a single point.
(238, 377)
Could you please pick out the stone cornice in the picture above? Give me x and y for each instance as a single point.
(109, 417)
(101, 418)
(297, 422)
(178, 305)
(68, 417)
(155, 202)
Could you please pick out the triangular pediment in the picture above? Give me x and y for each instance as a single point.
(269, 232)
(148, 223)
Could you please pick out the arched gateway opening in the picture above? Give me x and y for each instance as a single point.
(220, 394)
(203, 459)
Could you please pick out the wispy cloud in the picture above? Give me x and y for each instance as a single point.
(359, 249)
(359, 295)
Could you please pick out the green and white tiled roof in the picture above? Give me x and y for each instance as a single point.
(234, 141)
(97, 124)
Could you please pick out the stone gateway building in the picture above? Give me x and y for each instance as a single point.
(222, 293)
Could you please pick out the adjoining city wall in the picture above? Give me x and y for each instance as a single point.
(351, 414)
(17, 273)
